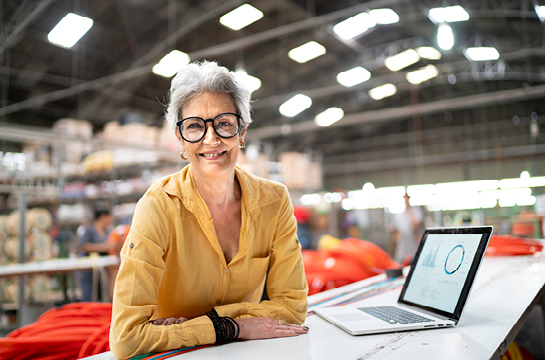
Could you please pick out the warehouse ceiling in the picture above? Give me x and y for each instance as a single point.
(463, 115)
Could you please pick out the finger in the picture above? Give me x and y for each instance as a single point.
(158, 321)
(170, 321)
(180, 320)
(299, 329)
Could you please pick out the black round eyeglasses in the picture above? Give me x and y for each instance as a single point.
(193, 129)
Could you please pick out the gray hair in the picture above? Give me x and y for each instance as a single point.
(197, 78)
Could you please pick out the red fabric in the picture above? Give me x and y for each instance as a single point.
(69, 332)
(509, 245)
(351, 261)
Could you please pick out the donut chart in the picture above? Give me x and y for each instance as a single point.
(454, 259)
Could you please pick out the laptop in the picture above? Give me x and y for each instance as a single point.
(435, 290)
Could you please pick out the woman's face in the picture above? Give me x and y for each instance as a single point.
(212, 156)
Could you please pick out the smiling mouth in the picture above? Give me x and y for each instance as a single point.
(215, 155)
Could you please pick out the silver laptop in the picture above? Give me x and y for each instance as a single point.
(435, 291)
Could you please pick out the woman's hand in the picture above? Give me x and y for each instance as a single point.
(267, 328)
(169, 321)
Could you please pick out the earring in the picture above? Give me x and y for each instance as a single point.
(184, 157)
(242, 145)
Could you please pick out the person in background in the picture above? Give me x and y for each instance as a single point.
(409, 226)
(203, 240)
(93, 238)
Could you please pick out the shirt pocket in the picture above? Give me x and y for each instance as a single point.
(257, 271)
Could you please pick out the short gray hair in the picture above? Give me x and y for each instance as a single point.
(200, 77)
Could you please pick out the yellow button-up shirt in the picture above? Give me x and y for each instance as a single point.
(172, 265)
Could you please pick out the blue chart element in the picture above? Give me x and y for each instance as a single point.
(454, 259)
(429, 259)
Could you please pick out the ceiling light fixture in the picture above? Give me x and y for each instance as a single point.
(354, 26)
(251, 82)
(295, 105)
(445, 37)
(428, 52)
(402, 60)
(540, 11)
(171, 63)
(329, 116)
(384, 16)
(380, 92)
(241, 17)
(448, 14)
(423, 74)
(69, 30)
(481, 53)
(307, 52)
(353, 76)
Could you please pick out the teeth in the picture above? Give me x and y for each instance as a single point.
(212, 155)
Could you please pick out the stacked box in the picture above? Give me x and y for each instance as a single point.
(72, 152)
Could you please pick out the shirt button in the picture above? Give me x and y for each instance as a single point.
(131, 245)
(225, 271)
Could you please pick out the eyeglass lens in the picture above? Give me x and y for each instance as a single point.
(225, 125)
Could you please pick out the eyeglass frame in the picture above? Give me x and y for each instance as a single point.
(179, 123)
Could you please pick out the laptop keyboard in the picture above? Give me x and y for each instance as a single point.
(394, 315)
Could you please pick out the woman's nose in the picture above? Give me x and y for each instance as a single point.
(210, 136)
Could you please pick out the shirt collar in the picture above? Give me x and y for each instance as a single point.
(256, 192)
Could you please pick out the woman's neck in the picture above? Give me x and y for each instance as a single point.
(218, 192)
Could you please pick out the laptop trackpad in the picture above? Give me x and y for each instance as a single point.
(351, 317)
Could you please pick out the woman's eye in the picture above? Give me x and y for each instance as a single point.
(194, 126)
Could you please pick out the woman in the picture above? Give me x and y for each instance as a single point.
(203, 240)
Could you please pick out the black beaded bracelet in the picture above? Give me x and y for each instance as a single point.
(226, 328)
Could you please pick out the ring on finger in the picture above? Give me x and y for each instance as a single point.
(282, 322)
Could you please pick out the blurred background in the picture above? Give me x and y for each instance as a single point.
(357, 104)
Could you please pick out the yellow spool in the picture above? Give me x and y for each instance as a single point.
(3, 224)
(39, 218)
(10, 292)
(11, 248)
(42, 245)
(39, 288)
(3, 258)
(12, 224)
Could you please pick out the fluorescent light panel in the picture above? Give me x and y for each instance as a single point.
(402, 60)
(307, 52)
(69, 30)
(241, 17)
(354, 26)
(540, 11)
(295, 105)
(329, 116)
(380, 92)
(428, 52)
(353, 76)
(169, 65)
(482, 53)
(251, 82)
(423, 74)
(445, 37)
(384, 16)
(448, 14)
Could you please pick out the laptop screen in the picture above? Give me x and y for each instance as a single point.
(444, 268)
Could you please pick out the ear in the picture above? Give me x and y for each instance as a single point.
(179, 137)
(242, 132)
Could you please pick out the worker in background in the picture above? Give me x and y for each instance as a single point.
(409, 226)
(93, 238)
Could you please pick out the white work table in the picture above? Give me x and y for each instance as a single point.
(58, 265)
(506, 288)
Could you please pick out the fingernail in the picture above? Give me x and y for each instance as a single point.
(305, 327)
